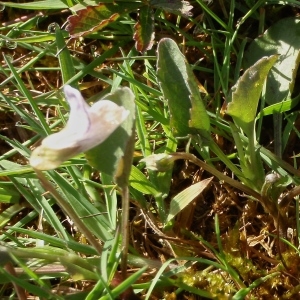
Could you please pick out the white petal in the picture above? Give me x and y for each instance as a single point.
(86, 128)
(105, 117)
(44, 158)
(79, 121)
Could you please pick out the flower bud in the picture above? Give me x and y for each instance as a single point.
(159, 162)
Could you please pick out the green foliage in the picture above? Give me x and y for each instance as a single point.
(183, 199)
(177, 6)
(70, 231)
(243, 109)
(180, 90)
(113, 148)
(93, 18)
(38, 5)
(8, 195)
(144, 30)
(246, 94)
(280, 40)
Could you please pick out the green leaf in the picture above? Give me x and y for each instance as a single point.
(175, 6)
(47, 4)
(144, 30)
(140, 182)
(8, 195)
(7, 214)
(106, 156)
(57, 242)
(278, 39)
(246, 93)
(94, 18)
(199, 121)
(85, 3)
(95, 222)
(22, 87)
(172, 76)
(242, 293)
(123, 286)
(282, 38)
(39, 38)
(125, 162)
(279, 107)
(184, 198)
(77, 272)
(177, 81)
(64, 56)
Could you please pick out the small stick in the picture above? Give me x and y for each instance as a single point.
(19, 290)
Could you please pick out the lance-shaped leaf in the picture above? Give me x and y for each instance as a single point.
(174, 6)
(278, 39)
(36, 5)
(144, 30)
(94, 18)
(281, 38)
(85, 3)
(199, 121)
(187, 111)
(109, 156)
(246, 93)
(87, 127)
(184, 198)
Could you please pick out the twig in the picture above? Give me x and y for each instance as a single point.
(19, 290)
(192, 158)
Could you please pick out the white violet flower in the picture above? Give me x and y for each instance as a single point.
(87, 127)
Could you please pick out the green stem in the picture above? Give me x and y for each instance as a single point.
(124, 230)
(237, 172)
(269, 206)
(238, 143)
(257, 173)
(192, 158)
(277, 117)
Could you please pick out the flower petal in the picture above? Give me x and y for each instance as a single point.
(79, 119)
(87, 127)
(105, 117)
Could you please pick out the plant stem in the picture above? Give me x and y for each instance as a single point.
(192, 158)
(256, 168)
(277, 117)
(19, 290)
(269, 206)
(124, 230)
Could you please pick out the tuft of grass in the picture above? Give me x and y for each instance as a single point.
(191, 236)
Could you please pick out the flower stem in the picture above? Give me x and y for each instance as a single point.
(124, 230)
